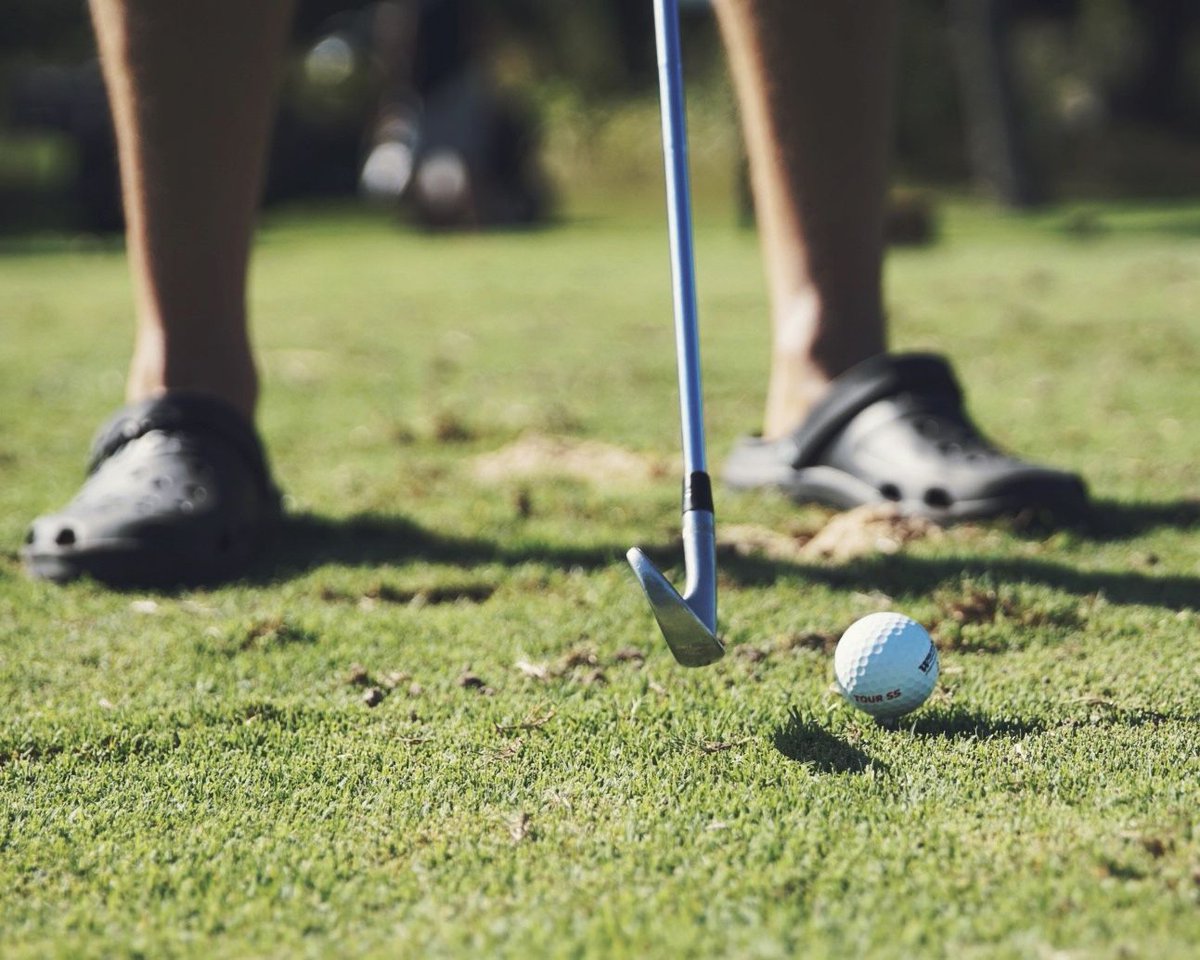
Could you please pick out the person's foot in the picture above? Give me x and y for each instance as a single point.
(178, 492)
(894, 429)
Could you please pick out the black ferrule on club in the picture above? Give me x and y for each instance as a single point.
(697, 492)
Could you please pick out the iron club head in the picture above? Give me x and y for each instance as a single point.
(689, 622)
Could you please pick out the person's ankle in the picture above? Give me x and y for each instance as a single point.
(238, 392)
(240, 399)
(798, 384)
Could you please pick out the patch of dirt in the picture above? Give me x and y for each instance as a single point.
(520, 827)
(820, 642)
(273, 632)
(579, 657)
(523, 503)
(863, 531)
(472, 681)
(378, 593)
(875, 528)
(372, 696)
(580, 665)
(446, 427)
(542, 455)
(747, 540)
(976, 605)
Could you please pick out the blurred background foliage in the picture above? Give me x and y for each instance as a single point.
(1028, 100)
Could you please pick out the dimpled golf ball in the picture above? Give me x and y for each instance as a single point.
(886, 665)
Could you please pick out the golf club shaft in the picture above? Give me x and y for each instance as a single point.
(688, 621)
(679, 213)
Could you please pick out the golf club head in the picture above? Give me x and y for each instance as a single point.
(688, 624)
(690, 640)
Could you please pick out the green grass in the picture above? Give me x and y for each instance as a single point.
(195, 774)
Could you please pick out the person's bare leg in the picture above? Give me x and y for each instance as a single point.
(814, 86)
(192, 86)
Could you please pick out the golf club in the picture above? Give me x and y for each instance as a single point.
(688, 622)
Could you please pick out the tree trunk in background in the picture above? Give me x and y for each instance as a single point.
(997, 138)
(1158, 94)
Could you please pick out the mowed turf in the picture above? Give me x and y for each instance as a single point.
(201, 773)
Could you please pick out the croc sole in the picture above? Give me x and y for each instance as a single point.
(894, 429)
(834, 488)
(178, 492)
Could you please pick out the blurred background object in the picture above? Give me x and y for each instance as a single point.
(458, 114)
(396, 98)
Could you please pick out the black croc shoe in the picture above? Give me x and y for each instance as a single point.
(894, 429)
(178, 492)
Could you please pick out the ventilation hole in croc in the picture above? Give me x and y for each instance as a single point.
(195, 492)
(938, 498)
(160, 481)
(184, 506)
(66, 537)
(927, 427)
(890, 492)
(949, 448)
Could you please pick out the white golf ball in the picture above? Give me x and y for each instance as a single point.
(886, 665)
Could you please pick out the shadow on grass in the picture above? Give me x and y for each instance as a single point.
(956, 724)
(816, 747)
(307, 541)
(1106, 521)
(898, 575)
(1114, 520)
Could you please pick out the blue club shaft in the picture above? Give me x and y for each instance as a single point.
(679, 213)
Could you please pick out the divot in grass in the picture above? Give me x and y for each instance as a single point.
(861, 532)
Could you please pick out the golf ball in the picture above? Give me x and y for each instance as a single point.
(886, 665)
